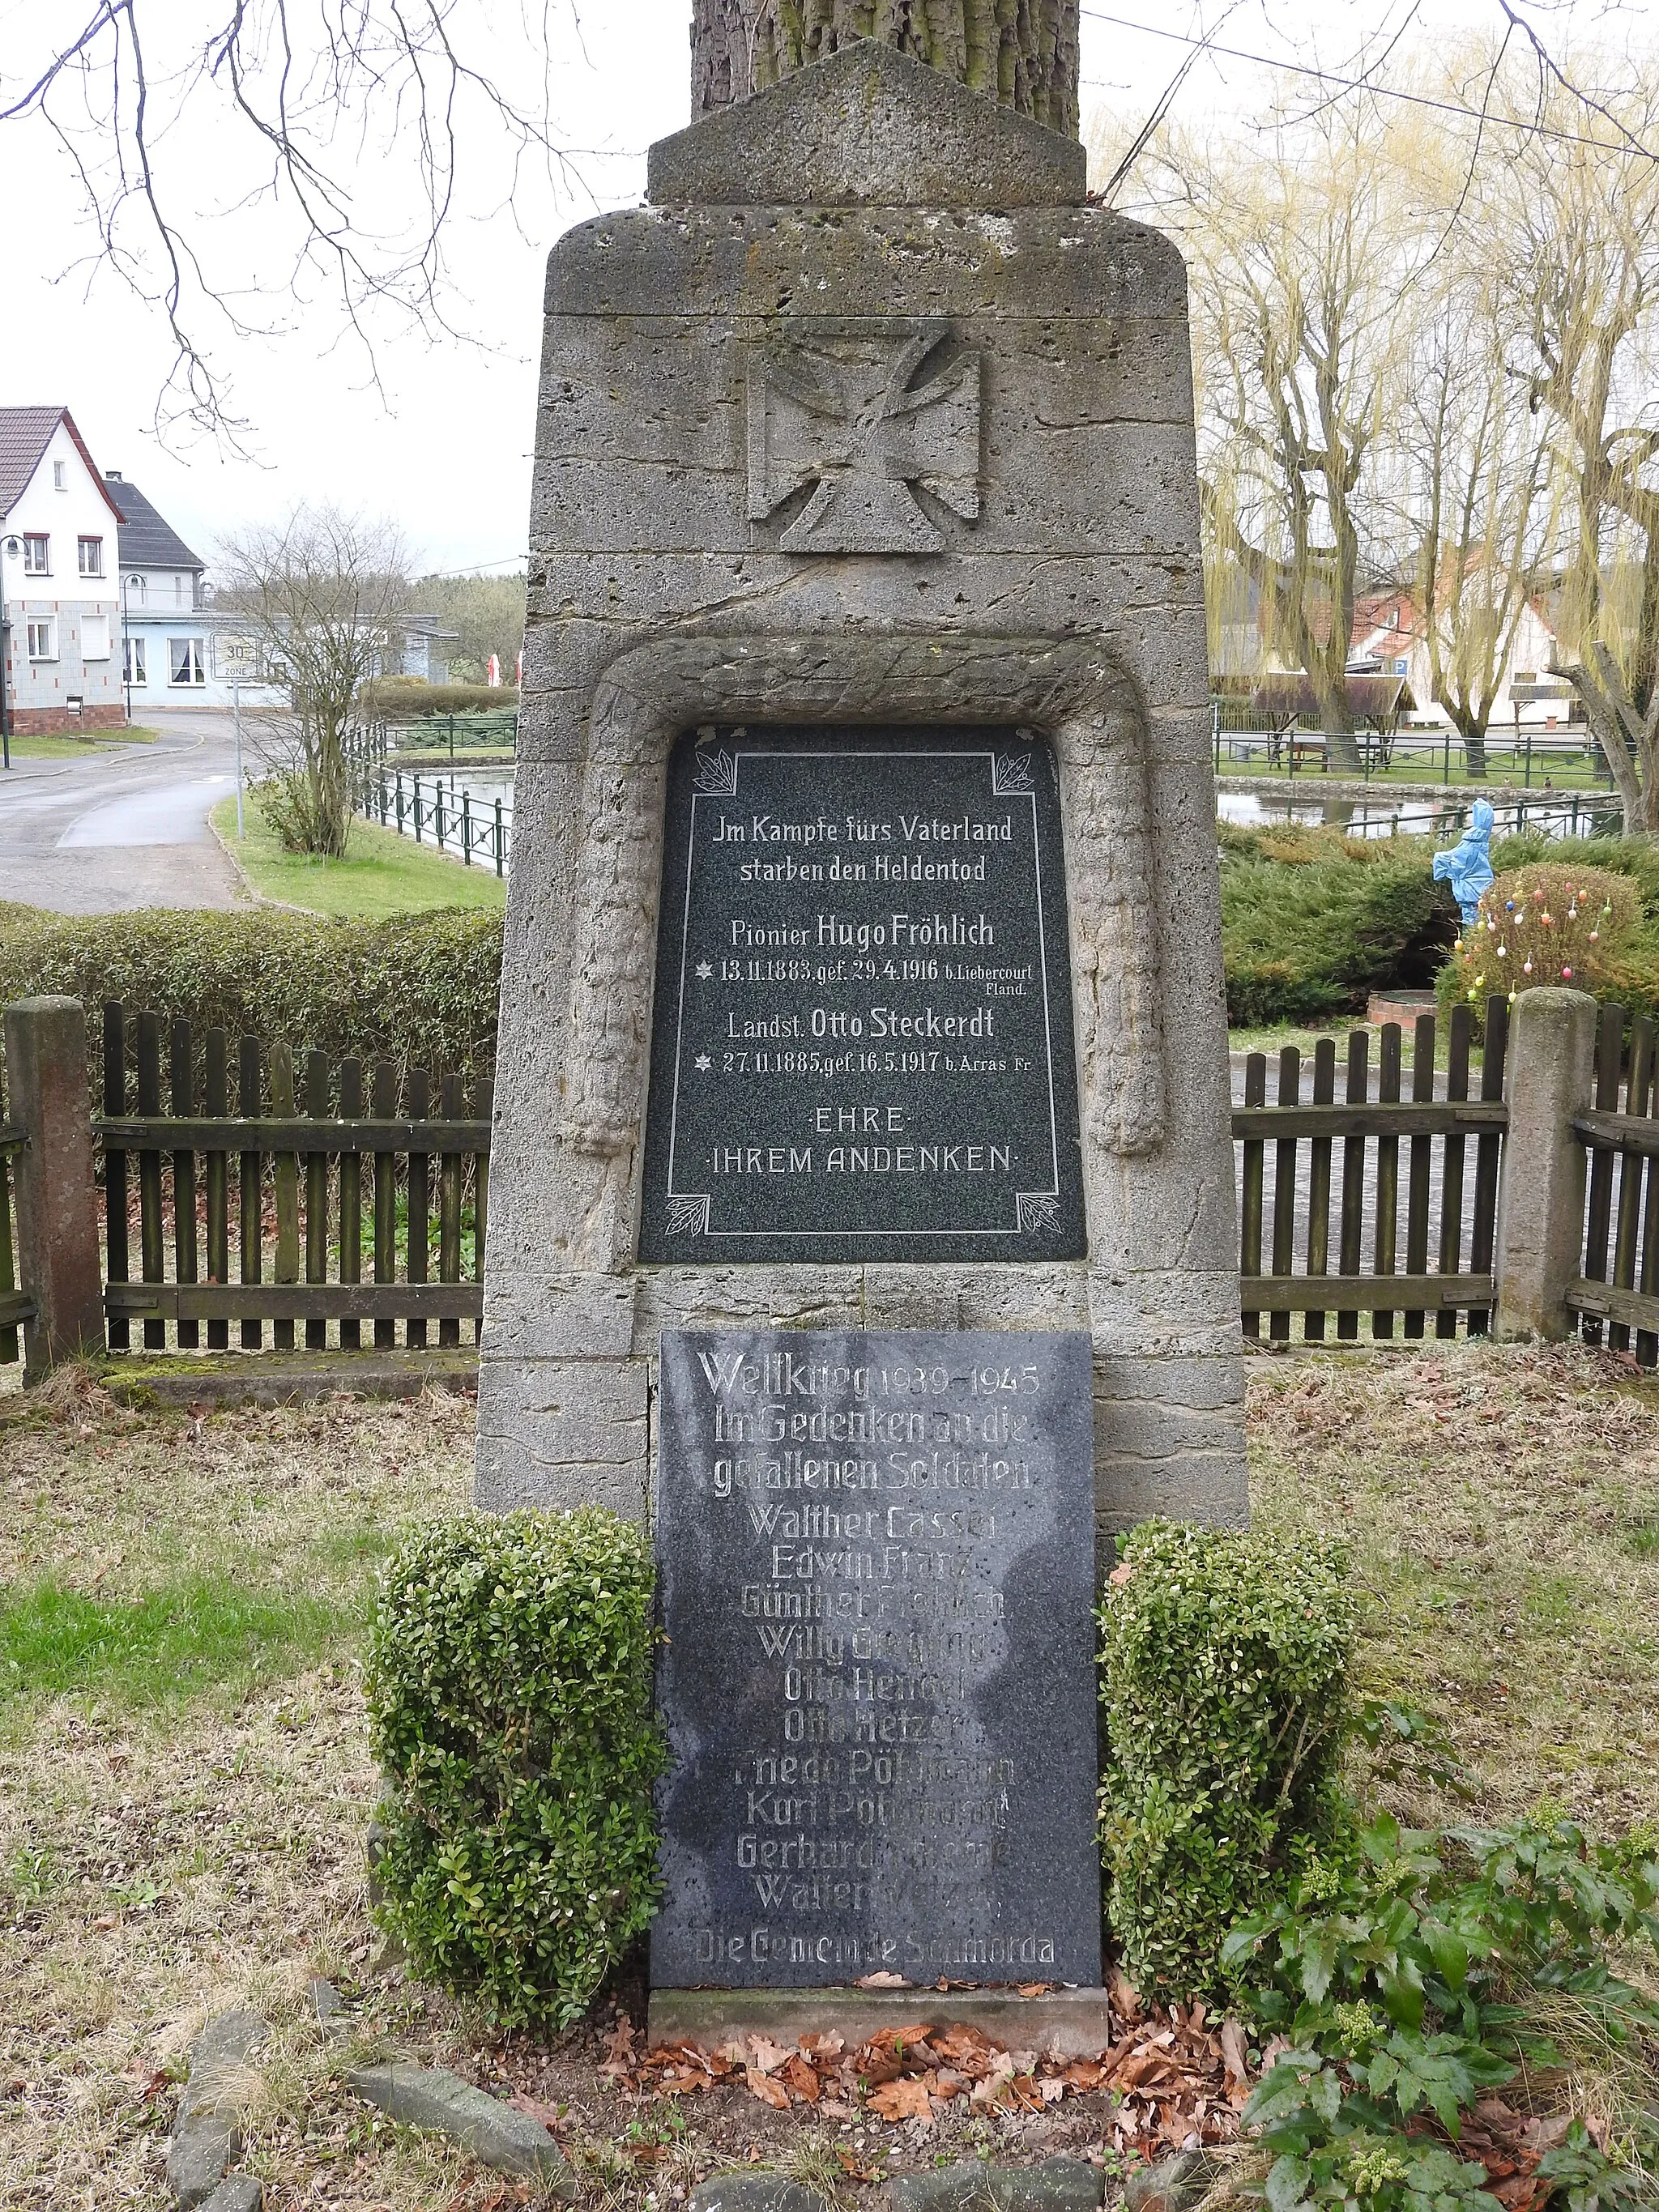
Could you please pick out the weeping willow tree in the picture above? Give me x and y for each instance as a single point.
(1024, 56)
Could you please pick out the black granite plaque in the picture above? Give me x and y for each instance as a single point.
(861, 1042)
(876, 1559)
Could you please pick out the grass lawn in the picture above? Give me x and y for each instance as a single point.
(1506, 769)
(382, 874)
(1272, 1041)
(185, 1779)
(31, 747)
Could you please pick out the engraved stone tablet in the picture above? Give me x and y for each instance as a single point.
(862, 1028)
(875, 1563)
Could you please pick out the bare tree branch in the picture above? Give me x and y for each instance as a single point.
(357, 121)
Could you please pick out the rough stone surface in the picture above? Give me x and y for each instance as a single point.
(237, 2193)
(329, 2008)
(1061, 589)
(869, 124)
(754, 2192)
(423, 2096)
(1063, 2024)
(1058, 2185)
(902, 1780)
(1540, 1206)
(205, 2137)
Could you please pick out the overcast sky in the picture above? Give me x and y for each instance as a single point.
(443, 445)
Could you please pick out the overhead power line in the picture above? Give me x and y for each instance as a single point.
(1358, 84)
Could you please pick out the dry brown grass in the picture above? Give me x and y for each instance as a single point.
(169, 1849)
(1503, 1507)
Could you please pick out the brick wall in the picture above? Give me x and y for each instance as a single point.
(54, 721)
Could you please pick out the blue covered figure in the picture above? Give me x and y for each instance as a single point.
(1468, 866)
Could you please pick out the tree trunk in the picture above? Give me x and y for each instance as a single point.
(1026, 57)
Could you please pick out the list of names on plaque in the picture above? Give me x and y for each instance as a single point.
(862, 1037)
(876, 1568)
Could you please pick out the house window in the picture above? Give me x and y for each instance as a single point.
(177, 591)
(138, 587)
(59, 476)
(133, 669)
(37, 555)
(185, 660)
(94, 637)
(43, 640)
(91, 550)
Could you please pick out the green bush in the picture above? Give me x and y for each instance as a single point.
(1224, 1666)
(510, 1706)
(1625, 970)
(398, 699)
(1312, 922)
(1433, 1970)
(419, 990)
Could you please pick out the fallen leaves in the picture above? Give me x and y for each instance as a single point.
(1172, 2078)
(904, 2099)
(1510, 2146)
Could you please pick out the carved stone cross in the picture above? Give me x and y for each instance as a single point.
(839, 411)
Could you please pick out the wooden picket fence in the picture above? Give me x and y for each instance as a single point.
(1619, 1284)
(1438, 1130)
(298, 1181)
(282, 1193)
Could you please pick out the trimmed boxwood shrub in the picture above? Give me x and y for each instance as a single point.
(419, 990)
(1224, 1669)
(510, 1706)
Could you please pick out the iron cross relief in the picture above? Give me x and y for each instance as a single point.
(838, 410)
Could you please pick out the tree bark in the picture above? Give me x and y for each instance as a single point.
(1024, 57)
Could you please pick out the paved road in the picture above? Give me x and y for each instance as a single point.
(126, 826)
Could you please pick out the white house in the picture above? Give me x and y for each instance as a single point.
(1388, 639)
(179, 650)
(59, 600)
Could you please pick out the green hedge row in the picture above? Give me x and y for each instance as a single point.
(406, 699)
(419, 990)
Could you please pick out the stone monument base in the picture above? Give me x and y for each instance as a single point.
(1061, 2024)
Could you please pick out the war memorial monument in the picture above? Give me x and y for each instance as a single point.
(861, 1196)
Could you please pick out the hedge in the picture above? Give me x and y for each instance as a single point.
(1313, 922)
(406, 699)
(418, 990)
(1225, 1658)
(509, 1686)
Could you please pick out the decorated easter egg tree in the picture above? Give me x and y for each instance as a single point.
(1549, 923)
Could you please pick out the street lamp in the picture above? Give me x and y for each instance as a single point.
(126, 649)
(13, 547)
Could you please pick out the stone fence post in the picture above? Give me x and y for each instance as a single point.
(59, 1260)
(1540, 1201)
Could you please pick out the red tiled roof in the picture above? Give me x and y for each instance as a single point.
(25, 434)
